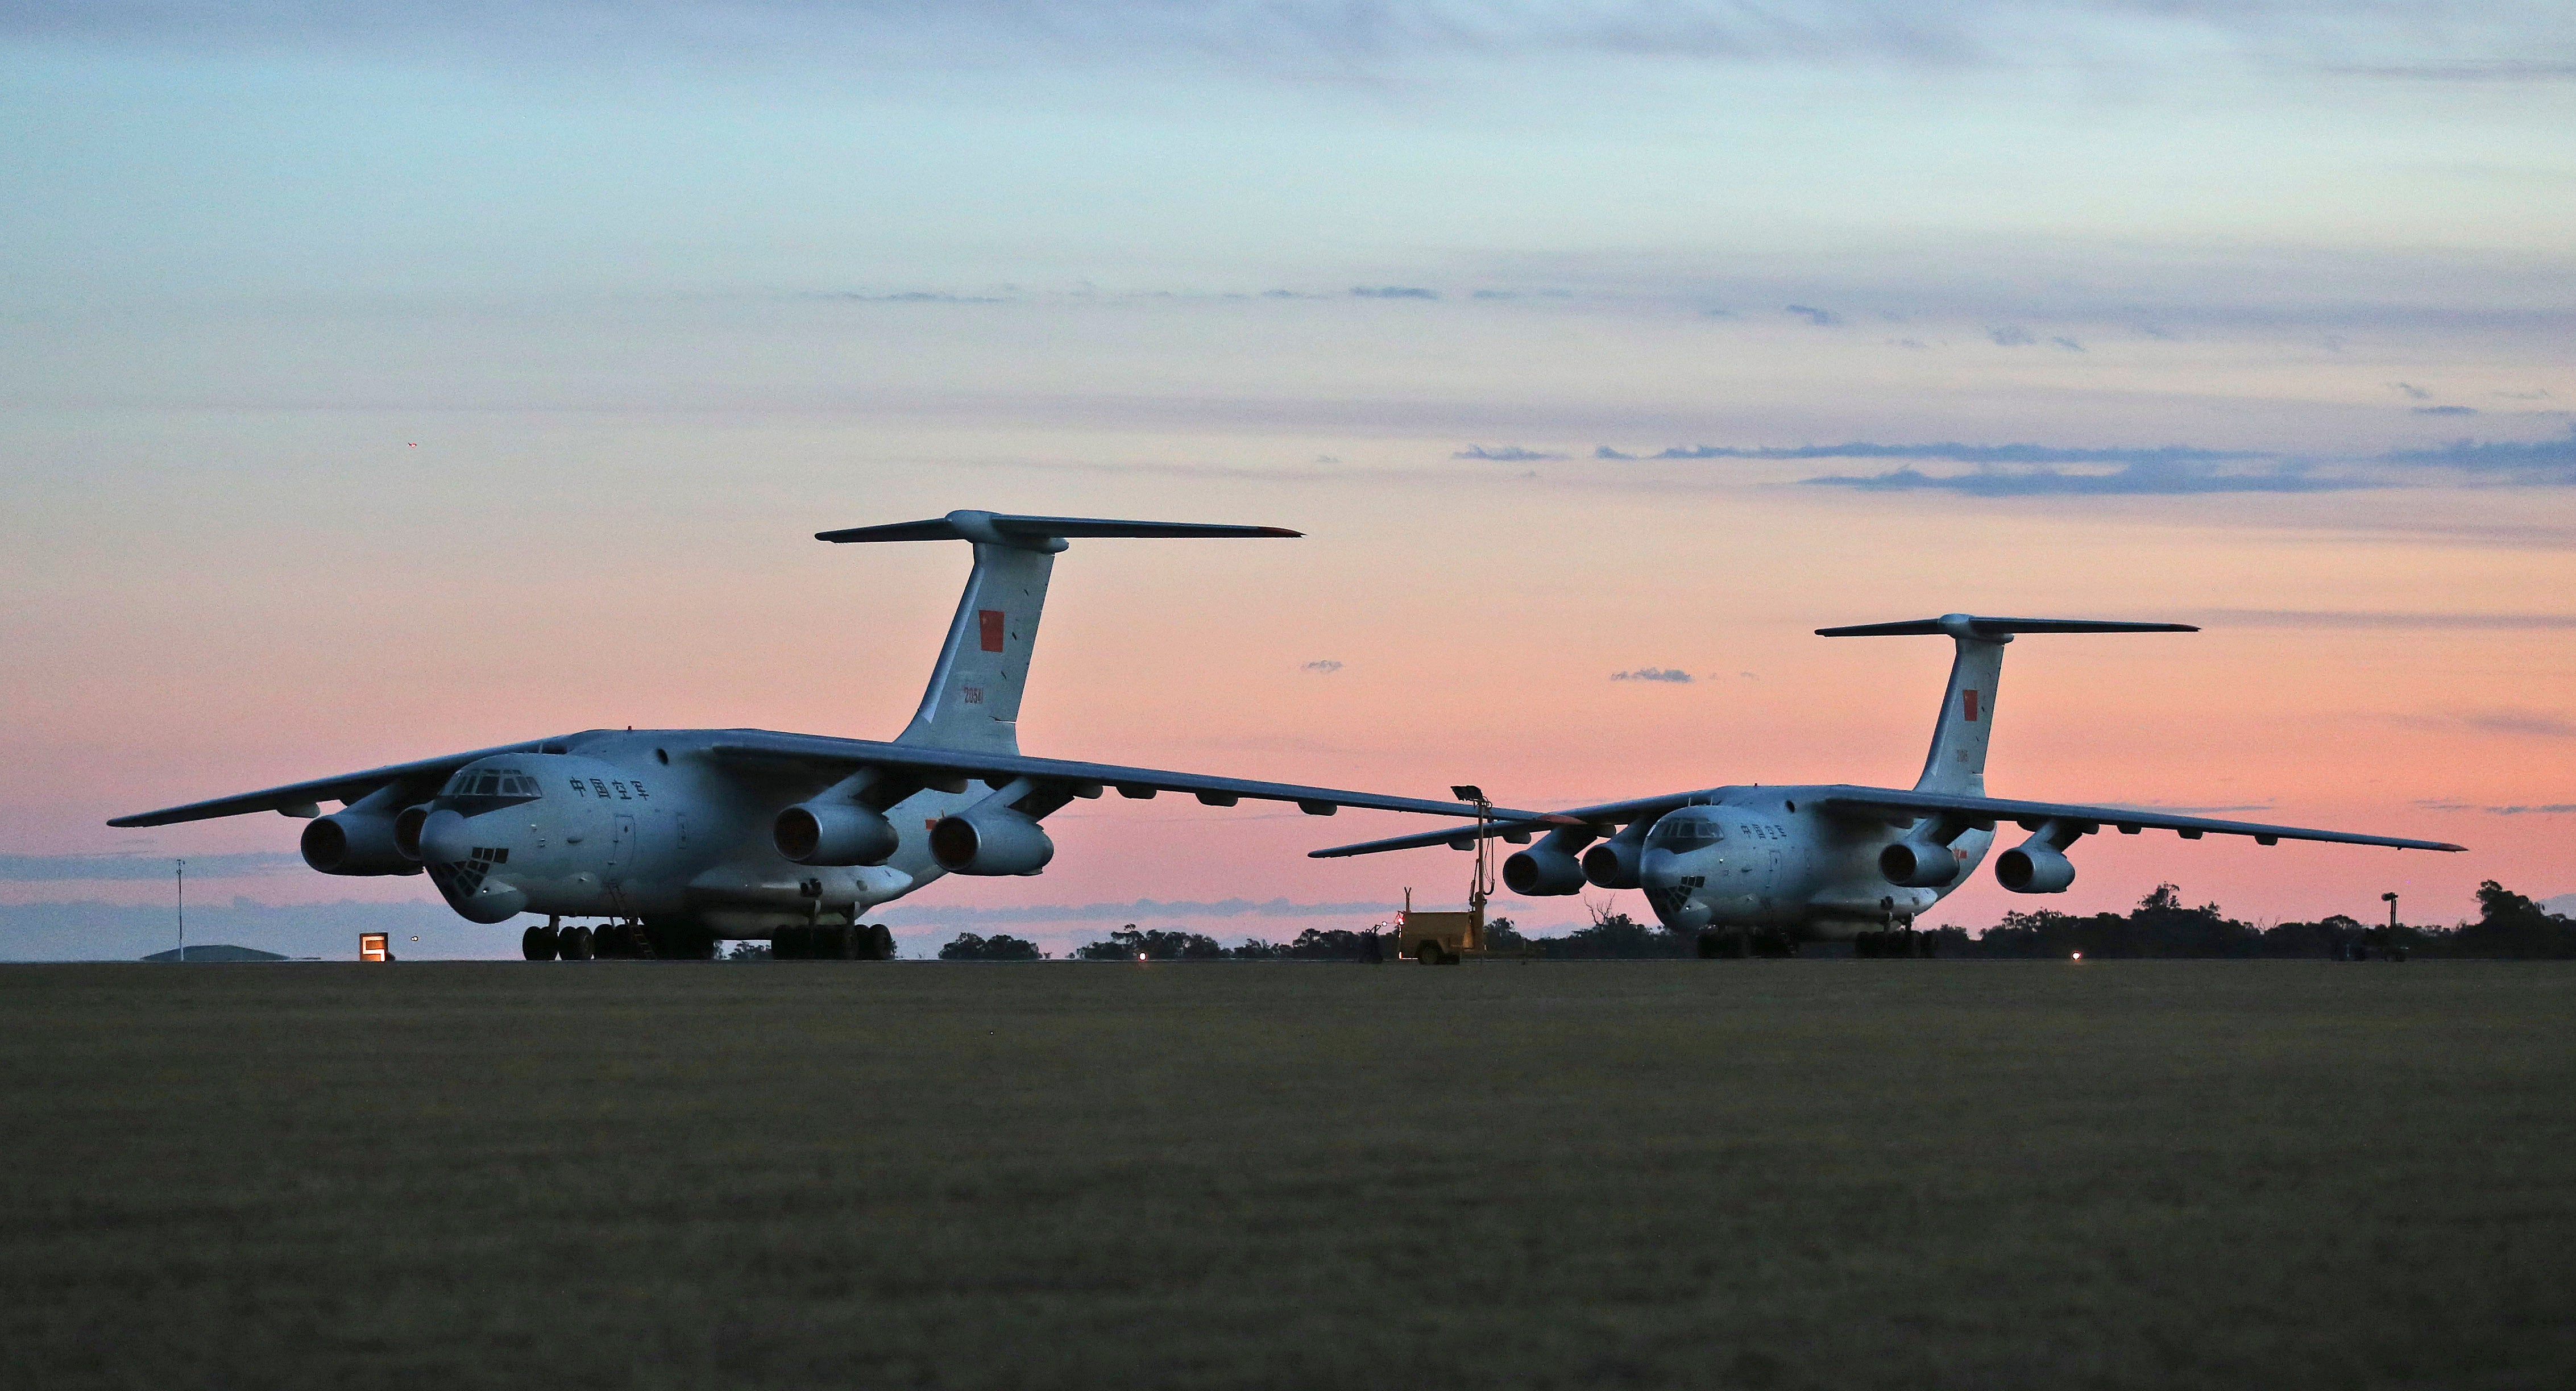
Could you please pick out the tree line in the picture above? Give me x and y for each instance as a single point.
(2509, 926)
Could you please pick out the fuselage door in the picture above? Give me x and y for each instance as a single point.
(621, 846)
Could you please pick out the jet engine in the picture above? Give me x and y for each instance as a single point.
(2034, 867)
(355, 841)
(1541, 871)
(1918, 864)
(1613, 863)
(834, 833)
(989, 839)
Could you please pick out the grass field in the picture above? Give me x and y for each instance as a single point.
(1757, 1174)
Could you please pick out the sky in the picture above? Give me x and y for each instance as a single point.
(378, 381)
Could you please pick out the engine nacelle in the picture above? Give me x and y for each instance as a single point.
(355, 842)
(1918, 864)
(1613, 864)
(990, 840)
(1542, 871)
(2034, 867)
(834, 833)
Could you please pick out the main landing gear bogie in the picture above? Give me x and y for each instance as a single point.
(834, 942)
(1902, 943)
(630, 940)
(1769, 943)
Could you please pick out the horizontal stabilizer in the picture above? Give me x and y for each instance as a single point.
(1035, 532)
(1964, 625)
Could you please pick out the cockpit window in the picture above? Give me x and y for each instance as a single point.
(486, 788)
(1683, 832)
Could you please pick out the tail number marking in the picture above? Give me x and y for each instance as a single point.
(990, 620)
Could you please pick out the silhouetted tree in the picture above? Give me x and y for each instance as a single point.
(2510, 925)
(1153, 944)
(999, 947)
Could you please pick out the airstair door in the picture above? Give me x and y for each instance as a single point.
(621, 846)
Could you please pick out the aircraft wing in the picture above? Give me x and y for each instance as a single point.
(754, 744)
(1888, 803)
(1505, 822)
(347, 787)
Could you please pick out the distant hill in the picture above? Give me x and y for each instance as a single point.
(219, 953)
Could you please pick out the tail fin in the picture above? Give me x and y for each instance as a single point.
(1957, 762)
(973, 701)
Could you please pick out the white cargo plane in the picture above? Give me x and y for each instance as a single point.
(1762, 867)
(679, 837)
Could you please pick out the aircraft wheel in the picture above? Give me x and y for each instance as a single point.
(880, 942)
(538, 944)
(1711, 946)
(786, 944)
(574, 944)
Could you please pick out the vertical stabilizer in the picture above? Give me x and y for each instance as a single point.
(973, 700)
(1957, 763)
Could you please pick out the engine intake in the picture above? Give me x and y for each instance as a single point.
(990, 840)
(355, 842)
(1542, 871)
(834, 833)
(1918, 864)
(1614, 863)
(2035, 867)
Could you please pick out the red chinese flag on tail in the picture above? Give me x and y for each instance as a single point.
(1968, 700)
(991, 622)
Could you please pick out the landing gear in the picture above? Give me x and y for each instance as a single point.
(855, 942)
(540, 943)
(680, 941)
(575, 944)
(1902, 942)
(1723, 946)
(1773, 944)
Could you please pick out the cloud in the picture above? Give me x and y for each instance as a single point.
(2016, 470)
(2552, 809)
(2530, 722)
(2134, 480)
(1821, 318)
(2411, 391)
(1673, 675)
(2444, 410)
(1955, 452)
(123, 865)
(2068, 344)
(1505, 454)
(2330, 618)
(2433, 40)
(1393, 292)
(2011, 336)
(1326, 667)
(917, 297)
(2530, 461)
(1603, 451)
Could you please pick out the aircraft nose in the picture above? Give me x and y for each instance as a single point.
(444, 840)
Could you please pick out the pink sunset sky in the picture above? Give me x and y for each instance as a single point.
(371, 396)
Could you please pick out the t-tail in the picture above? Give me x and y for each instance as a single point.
(973, 700)
(1957, 762)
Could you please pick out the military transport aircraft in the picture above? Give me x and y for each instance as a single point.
(1760, 868)
(679, 837)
